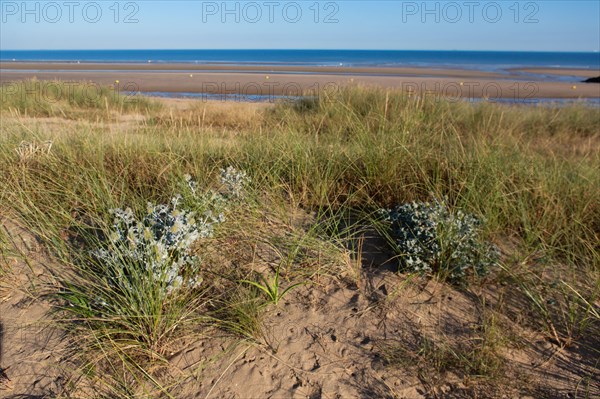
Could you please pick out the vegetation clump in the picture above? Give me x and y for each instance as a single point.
(158, 245)
(156, 249)
(430, 237)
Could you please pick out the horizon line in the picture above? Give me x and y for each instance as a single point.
(298, 49)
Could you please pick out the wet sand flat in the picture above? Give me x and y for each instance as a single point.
(297, 80)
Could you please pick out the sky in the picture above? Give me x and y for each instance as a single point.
(547, 25)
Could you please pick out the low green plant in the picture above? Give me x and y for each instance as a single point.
(233, 187)
(430, 237)
(565, 312)
(272, 288)
(240, 312)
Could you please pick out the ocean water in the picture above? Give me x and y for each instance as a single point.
(480, 60)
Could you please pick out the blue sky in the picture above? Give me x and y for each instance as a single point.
(413, 25)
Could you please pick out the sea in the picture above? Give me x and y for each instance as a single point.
(480, 60)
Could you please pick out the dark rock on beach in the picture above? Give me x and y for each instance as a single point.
(592, 80)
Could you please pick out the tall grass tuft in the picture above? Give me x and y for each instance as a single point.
(71, 100)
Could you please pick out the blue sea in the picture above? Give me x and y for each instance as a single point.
(480, 60)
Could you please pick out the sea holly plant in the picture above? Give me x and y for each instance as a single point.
(431, 238)
(137, 280)
(156, 248)
(214, 202)
(234, 182)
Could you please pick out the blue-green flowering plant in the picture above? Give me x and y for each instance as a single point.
(213, 203)
(234, 182)
(155, 249)
(156, 246)
(431, 238)
(138, 280)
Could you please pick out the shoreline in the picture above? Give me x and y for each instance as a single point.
(299, 80)
(242, 68)
(580, 72)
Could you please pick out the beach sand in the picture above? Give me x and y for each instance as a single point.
(288, 80)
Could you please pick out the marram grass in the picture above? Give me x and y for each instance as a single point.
(532, 173)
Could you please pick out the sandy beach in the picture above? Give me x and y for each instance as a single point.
(295, 80)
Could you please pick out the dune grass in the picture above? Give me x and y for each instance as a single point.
(74, 100)
(532, 173)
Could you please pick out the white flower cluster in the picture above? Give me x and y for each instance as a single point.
(432, 239)
(206, 202)
(234, 181)
(159, 244)
(157, 247)
(28, 150)
(211, 202)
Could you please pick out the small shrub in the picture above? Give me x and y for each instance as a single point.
(431, 238)
(234, 182)
(158, 246)
(211, 202)
(155, 251)
(138, 279)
